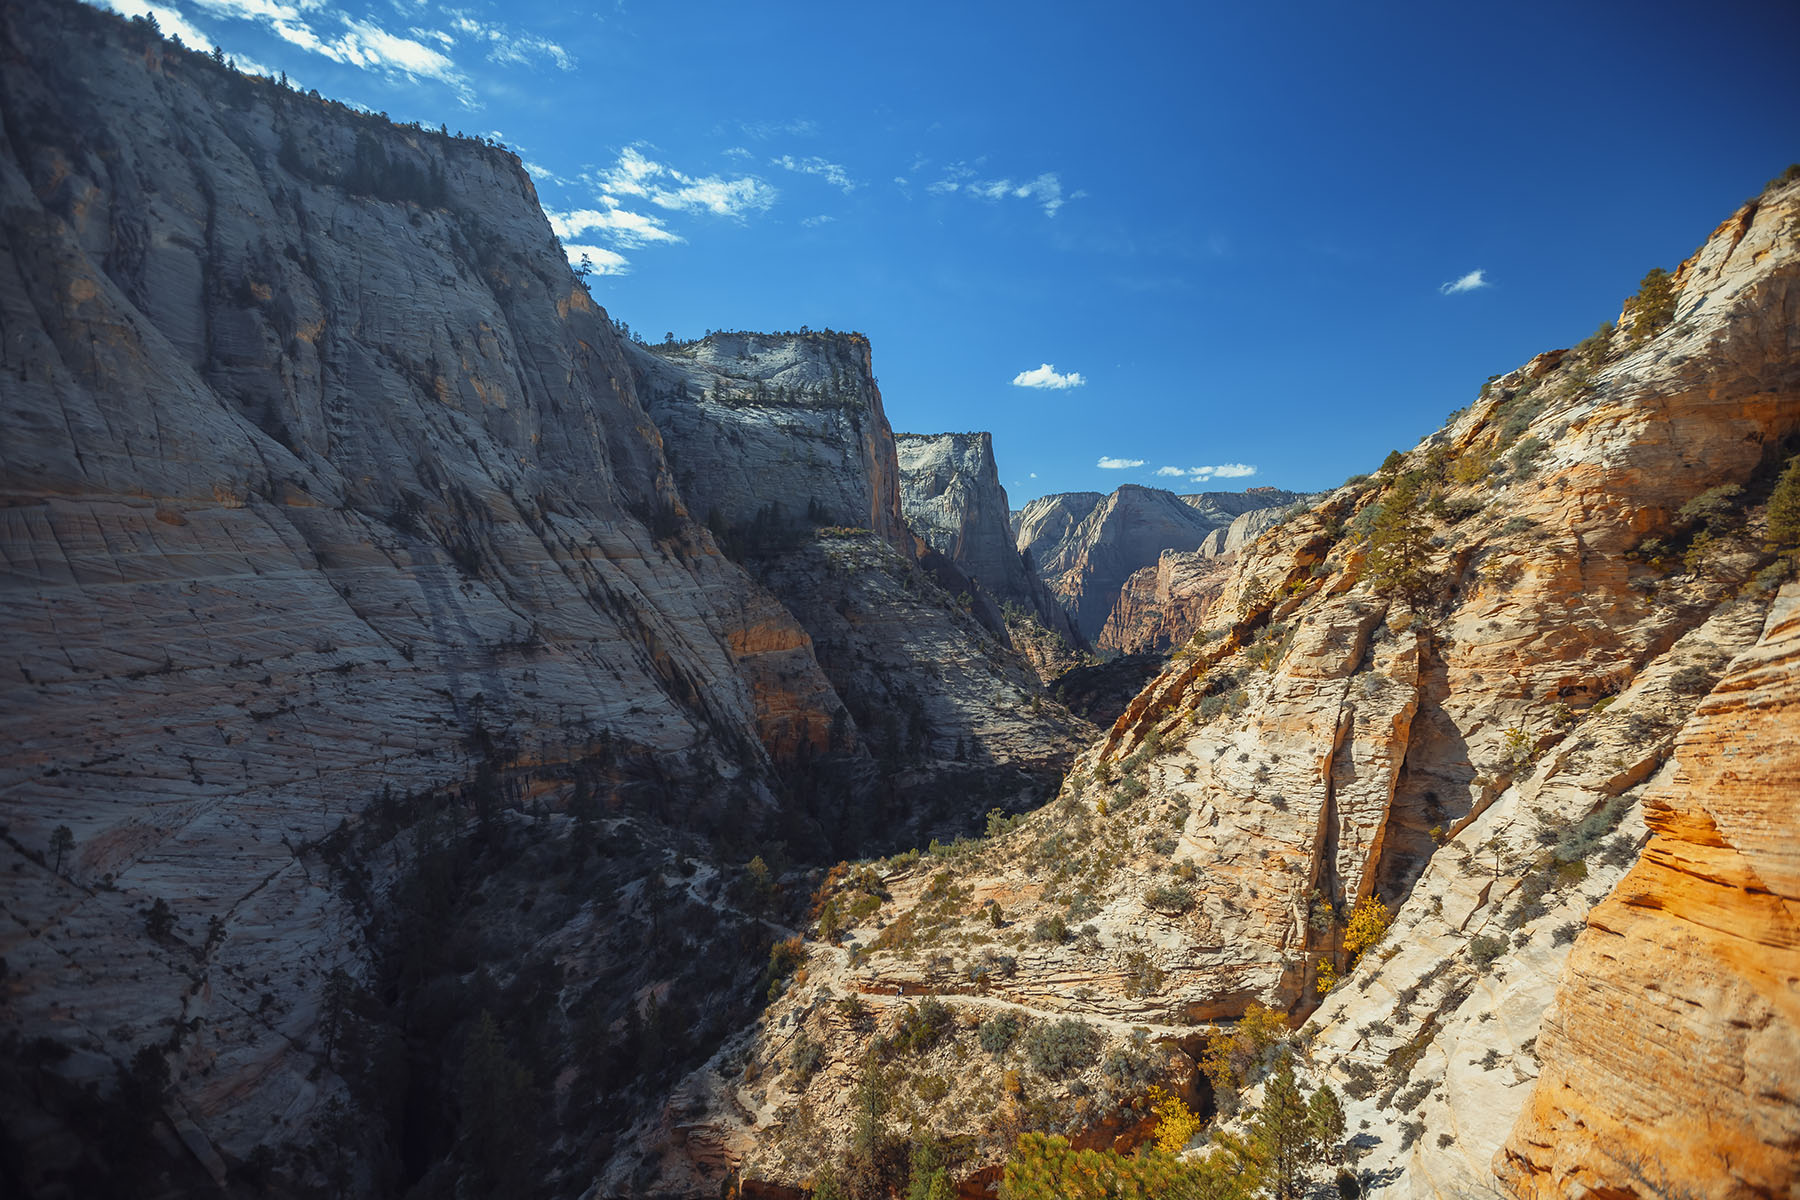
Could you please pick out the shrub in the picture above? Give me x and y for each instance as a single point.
(785, 958)
(998, 1033)
(1142, 976)
(1691, 681)
(1176, 1123)
(1484, 950)
(806, 1058)
(1783, 531)
(1059, 1048)
(1359, 1081)
(1050, 929)
(921, 1027)
(1368, 924)
(1169, 899)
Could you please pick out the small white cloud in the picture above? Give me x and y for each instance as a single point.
(666, 187)
(600, 260)
(815, 222)
(1118, 464)
(1034, 474)
(762, 131)
(626, 228)
(737, 152)
(1468, 283)
(1046, 190)
(830, 172)
(1222, 471)
(1046, 376)
(1171, 472)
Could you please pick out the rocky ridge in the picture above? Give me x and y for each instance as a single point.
(369, 657)
(1467, 728)
(1086, 546)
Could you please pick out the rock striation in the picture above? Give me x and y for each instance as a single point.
(1670, 1049)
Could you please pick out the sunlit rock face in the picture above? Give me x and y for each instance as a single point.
(1670, 1051)
(1485, 756)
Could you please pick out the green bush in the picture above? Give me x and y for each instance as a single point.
(998, 1033)
(1784, 509)
(1169, 899)
(1060, 1048)
(921, 1027)
(1484, 950)
(1050, 929)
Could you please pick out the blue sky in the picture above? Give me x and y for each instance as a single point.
(1130, 240)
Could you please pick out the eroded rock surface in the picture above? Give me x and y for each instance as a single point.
(1670, 1051)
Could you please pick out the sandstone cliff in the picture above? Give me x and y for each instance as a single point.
(1087, 548)
(782, 441)
(1085, 545)
(1450, 688)
(1670, 1051)
(364, 647)
(951, 494)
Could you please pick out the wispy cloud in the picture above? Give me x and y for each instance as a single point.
(737, 152)
(1118, 464)
(815, 222)
(1046, 190)
(600, 260)
(1468, 283)
(1221, 471)
(503, 45)
(830, 172)
(1047, 376)
(664, 186)
(762, 131)
(623, 227)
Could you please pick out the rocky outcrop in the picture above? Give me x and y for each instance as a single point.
(1085, 546)
(783, 441)
(770, 433)
(1163, 606)
(951, 494)
(1670, 1050)
(1466, 735)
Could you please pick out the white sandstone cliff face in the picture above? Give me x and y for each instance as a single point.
(950, 491)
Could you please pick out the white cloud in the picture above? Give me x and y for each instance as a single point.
(1046, 190)
(602, 260)
(172, 23)
(815, 222)
(362, 44)
(1034, 474)
(665, 187)
(830, 172)
(624, 227)
(1176, 472)
(1118, 464)
(1046, 376)
(504, 46)
(738, 152)
(1468, 283)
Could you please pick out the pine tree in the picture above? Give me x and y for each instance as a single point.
(1654, 305)
(62, 840)
(1282, 1135)
(1784, 509)
(1398, 544)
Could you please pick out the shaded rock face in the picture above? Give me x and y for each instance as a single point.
(361, 639)
(951, 494)
(777, 438)
(1162, 606)
(1477, 744)
(1670, 1052)
(772, 433)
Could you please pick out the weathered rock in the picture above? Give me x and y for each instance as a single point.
(1163, 606)
(951, 494)
(1671, 1051)
(1084, 545)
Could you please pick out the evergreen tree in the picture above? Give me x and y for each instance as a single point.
(1654, 305)
(1398, 544)
(1784, 509)
(1282, 1135)
(61, 841)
